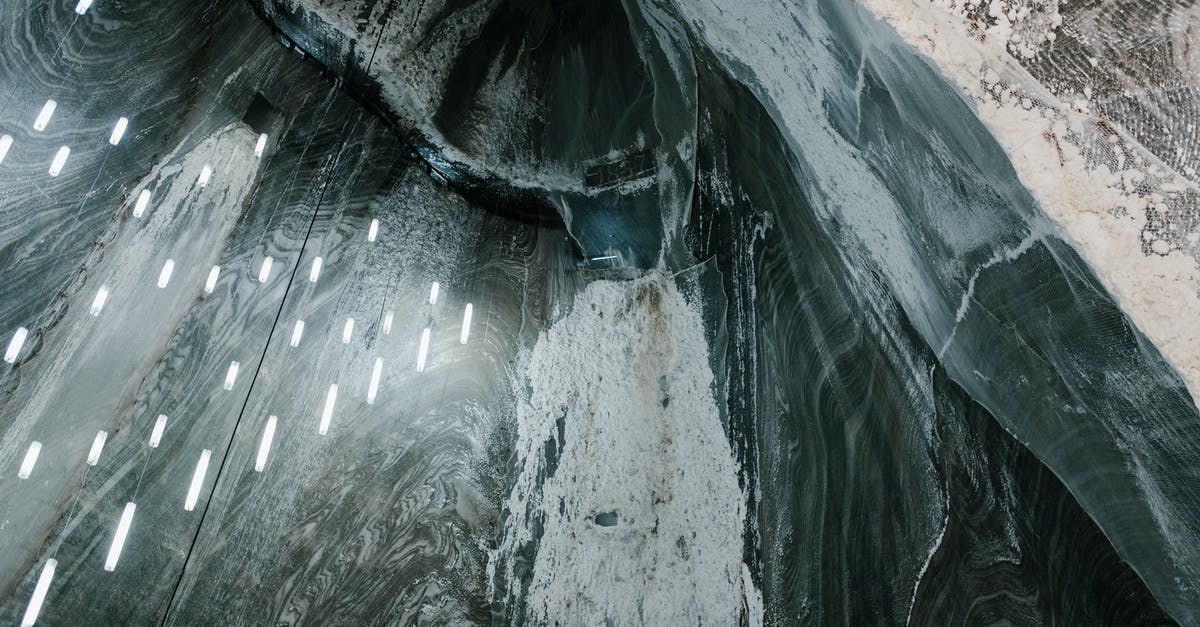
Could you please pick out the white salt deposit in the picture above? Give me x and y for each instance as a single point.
(1096, 204)
(642, 515)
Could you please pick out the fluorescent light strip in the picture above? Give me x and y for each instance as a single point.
(6, 142)
(118, 541)
(60, 160)
(97, 447)
(264, 446)
(15, 344)
(44, 115)
(327, 413)
(39, 593)
(31, 456)
(118, 131)
(315, 272)
(160, 425)
(466, 325)
(193, 493)
(98, 302)
(434, 290)
(261, 145)
(373, 231)
(297, 333)
(211, 283)
(205, 174)
(264, 271)
(143, 201)
(164, 276)
(231, 374)
(373, 388)
(387, 323)
(347, 330)
(424, 351)
(83, 6)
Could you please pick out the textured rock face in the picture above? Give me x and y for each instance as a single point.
(623, 463)
(862, 213)
(798, 345)
(1096, 104)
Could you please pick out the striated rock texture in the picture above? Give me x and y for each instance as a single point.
(928, 388)
(623, 463)
(772, 323)
(1096, 103)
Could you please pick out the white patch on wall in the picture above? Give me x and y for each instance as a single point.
(642, 515)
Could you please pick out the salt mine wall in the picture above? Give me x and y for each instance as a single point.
(591, 313)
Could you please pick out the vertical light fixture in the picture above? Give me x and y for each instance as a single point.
(118, 541)
(118, 131)
(466, 325)
(15, 344)
(43, 117)
(60, 160)
(39, 593)
(264, 446)
(193, 493)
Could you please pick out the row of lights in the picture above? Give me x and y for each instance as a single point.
(33, 609)
(98, 303)
(17, 341)
(19, 337)
(118, 133)
(60, 159)
(201, 470)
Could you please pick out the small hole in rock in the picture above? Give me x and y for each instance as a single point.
(607, 519)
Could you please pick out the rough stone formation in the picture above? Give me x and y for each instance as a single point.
(931, 215)
(1097, 104)
(772, 325)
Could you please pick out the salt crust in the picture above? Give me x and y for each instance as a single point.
(1098, 207)
(642, 512)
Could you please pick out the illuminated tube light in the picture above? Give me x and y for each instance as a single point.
(211, 283)
(315, 272)
(164, 276)
(231, 374)
(44, 115)
(118, 542)
(264, 272)
(297, 333)
(205, 174)
(160, 425)
(143, 201)
(264, 446)
(466, 325)
(31, 456)
(261, 145)
(97, 447)
(6, 142)
(327, 413)
(433, 292)
(60, 160)
(15, 344)
(118, 131)
(373, 388)
(373, 231)
(83, 6)
(348, 330)
(98, 302)
(387, 323)
(197, 481)
(39, 593)
(424, 350)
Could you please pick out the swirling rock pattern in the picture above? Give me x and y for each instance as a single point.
(383, 518)
(867, 380)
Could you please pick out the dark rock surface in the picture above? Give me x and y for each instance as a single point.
(937, 412)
